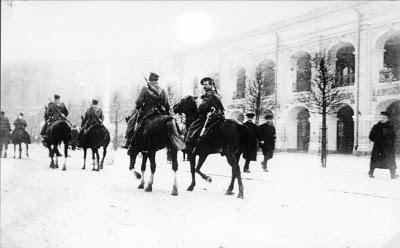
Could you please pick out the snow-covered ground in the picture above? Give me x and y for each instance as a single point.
(296, 204)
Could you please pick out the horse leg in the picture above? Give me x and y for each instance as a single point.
(65, 155)
(97, 159)
(84, 158)
(15, 145)
(104, 155)
(192, 161)
(174, 157)
(20, 150)
(1, 150)
(56, 162)
(152, 158)
(93, 159)
(202, 159)
(5, 149)
(132, 162)
(51, 157)
(235, 172)
(143, 169)
(27, 149)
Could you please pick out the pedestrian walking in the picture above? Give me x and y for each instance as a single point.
(267, 135)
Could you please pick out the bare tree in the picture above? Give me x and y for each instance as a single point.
(257, 93)
(116, 114)
(325, 94)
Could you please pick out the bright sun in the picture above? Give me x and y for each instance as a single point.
(193, 28)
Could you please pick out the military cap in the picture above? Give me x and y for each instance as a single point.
(56, 97)
(21, 114)
(207, 79)
(269, 117)
(153, 76)
(385, 113)
(250, 115)
(94, 102)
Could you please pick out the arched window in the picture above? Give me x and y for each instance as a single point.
(303, 72)
(240, 84)
(391, 59)
(265, 73)
(345, 65)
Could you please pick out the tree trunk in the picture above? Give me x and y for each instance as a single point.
(323, 139)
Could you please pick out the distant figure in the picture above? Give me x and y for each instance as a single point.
(5, 130)
(93, 117)
(250, 154)
(383, 153)
(267, 136)
(20, 135)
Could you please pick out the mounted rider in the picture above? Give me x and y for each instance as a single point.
(210, 106)
(5, 127)
(93, 117)
(152, 100)
(54, 111)
(19, 127)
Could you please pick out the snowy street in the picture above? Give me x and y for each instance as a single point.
(296, 204)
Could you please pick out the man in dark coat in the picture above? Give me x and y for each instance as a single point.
(5, 130)
(54, 111)
(267, 136)
(152, 100)
(251, 153)
(383, 152)
(93, 117)
(19, 133)
(210, 104)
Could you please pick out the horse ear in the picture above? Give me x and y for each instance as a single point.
(194, 98)
(82, 117)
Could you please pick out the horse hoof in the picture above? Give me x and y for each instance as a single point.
(83, 168)
(141, 186)
(229, 192)
(63, 168)
(93, 169)
(137, 175)
(148, 188)
(240, 196)
(174, 191)
(209, 179)
(190, 188)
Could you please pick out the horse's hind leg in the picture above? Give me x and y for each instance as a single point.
(52, 166)
(65, 155)
(97, 159)
(143, 169)
(174, 158)
(5, 149)
(235, 173)
(27, 149)
(93, 160)
(15, 146)
(202, 159)
(84, 158)
(152, 158)
(132, 161)
(104, 156)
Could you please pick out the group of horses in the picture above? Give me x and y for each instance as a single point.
(17, 137)
(226, 136)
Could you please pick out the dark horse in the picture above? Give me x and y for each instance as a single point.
(4, 141)
(98, 136)
(226, 136)
(155, 135)
(58, 132)
(18, 137)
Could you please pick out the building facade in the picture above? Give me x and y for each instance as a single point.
(362, 37)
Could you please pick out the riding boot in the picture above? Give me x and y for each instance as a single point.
(246, 166)
(44, 141)
(393, 174)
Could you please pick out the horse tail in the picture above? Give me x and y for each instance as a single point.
(247, 138)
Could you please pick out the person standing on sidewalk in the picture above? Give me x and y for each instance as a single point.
(267, 136)
(251, 153)
(383, 152)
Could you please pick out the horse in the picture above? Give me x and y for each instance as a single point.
(96, 137)
(58, 132)
(154, 135)
(225, 136)
(19, 136)
(4, 141)
(74, 138)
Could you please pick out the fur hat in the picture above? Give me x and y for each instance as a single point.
(21, 114)
(207, 79)
(250, 115)
(153, 76)
(269, 117)
(56, 97)
(95, 102)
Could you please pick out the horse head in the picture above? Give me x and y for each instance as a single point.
(187, 105)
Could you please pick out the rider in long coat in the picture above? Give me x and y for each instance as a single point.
(19, 131)
(54, 111)
(267, 137)
(383, 152)
(152, 100)
(211, 103)
(93, 116)
(251, 153)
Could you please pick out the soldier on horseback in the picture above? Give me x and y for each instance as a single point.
(54, 111)
(152, 100)
(20, 125)
(210, 111)
(93, 117)
(5, 130)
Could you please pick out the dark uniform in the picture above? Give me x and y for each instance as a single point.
(267, 136)
(251, 153)
(383, 152)
(152, 100)
(53, 112)
(93, 116)
(19, 133)
(210, 99)
(5, 130)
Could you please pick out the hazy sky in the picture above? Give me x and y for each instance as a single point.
(131, 29)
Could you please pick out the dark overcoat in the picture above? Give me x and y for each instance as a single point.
(383, 152)
(251, 152)
(53, 110)
(5, 129)
(267, 135)
(93, 116)
(19, 134)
